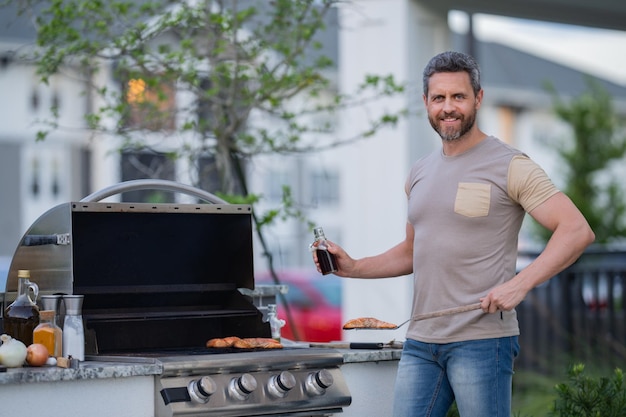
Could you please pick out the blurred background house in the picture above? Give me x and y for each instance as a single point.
(356, 193)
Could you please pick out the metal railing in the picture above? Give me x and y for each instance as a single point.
(577, 316)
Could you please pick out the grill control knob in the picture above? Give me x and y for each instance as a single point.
(317, 382)
(280, 385)
(200, 390)
(242, 386)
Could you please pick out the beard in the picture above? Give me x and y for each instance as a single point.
(450, 133)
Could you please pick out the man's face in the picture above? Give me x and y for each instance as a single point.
(451, 104)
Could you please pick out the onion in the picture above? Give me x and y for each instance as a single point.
(36, 354)
(12, 352)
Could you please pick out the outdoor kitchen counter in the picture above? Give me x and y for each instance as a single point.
(95, 389)
(86, 370)
(374, 355)
(126, 388)
(370, 376)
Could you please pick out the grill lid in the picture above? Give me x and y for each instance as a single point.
(156, 247)
(153, 275)
(110, 247)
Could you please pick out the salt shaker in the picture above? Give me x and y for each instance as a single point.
(73, 332)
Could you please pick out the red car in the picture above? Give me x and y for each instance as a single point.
(314, 302)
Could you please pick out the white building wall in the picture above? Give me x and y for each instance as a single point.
(47, 169)
(382, 37)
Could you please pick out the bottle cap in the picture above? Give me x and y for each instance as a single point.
(318, 232)
(73, 304)
(50, 301)
(47, 314)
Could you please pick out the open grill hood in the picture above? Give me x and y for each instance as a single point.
(153, 276)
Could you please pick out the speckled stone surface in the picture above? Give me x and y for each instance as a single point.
(94, 369)
(86, 370)
(359, 355)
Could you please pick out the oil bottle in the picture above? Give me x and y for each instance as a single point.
(327, 261)
(22, 316)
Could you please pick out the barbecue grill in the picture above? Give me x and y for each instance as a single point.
(159, 280)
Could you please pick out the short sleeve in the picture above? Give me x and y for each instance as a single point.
(528, 184)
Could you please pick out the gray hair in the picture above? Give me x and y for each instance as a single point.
(453, 62)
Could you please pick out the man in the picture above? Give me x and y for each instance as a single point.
(466, 203)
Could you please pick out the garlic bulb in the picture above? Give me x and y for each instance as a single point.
(12, 352)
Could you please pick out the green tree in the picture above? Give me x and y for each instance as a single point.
(255, 79)
(597, 142)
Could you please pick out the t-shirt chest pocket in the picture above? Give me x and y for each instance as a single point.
(472, 199)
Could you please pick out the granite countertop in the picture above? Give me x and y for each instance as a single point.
(86, 370)
(390, 351)
(366, 355)
(141, 366)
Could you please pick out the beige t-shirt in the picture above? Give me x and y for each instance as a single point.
(466, 211)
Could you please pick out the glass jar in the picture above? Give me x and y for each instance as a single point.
(48, 333)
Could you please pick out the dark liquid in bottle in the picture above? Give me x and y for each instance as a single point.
(20, 321)
(327, 261)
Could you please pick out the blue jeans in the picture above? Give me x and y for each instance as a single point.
(477, 373)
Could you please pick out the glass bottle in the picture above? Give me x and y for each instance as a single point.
(275, 323)
(73, 331)
(22, 316)
(48, 333)
(327, 261)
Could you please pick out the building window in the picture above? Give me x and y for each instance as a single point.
(275, 183)
(324, 188)
(142, 165)
(150, 107)
(211, 179)
(85, 170)
(208, 174)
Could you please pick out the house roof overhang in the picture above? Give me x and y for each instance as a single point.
(606, 14)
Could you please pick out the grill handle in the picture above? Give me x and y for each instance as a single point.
(153, 184)
(37, 240)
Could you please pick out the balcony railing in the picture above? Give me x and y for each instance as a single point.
(577, 316)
